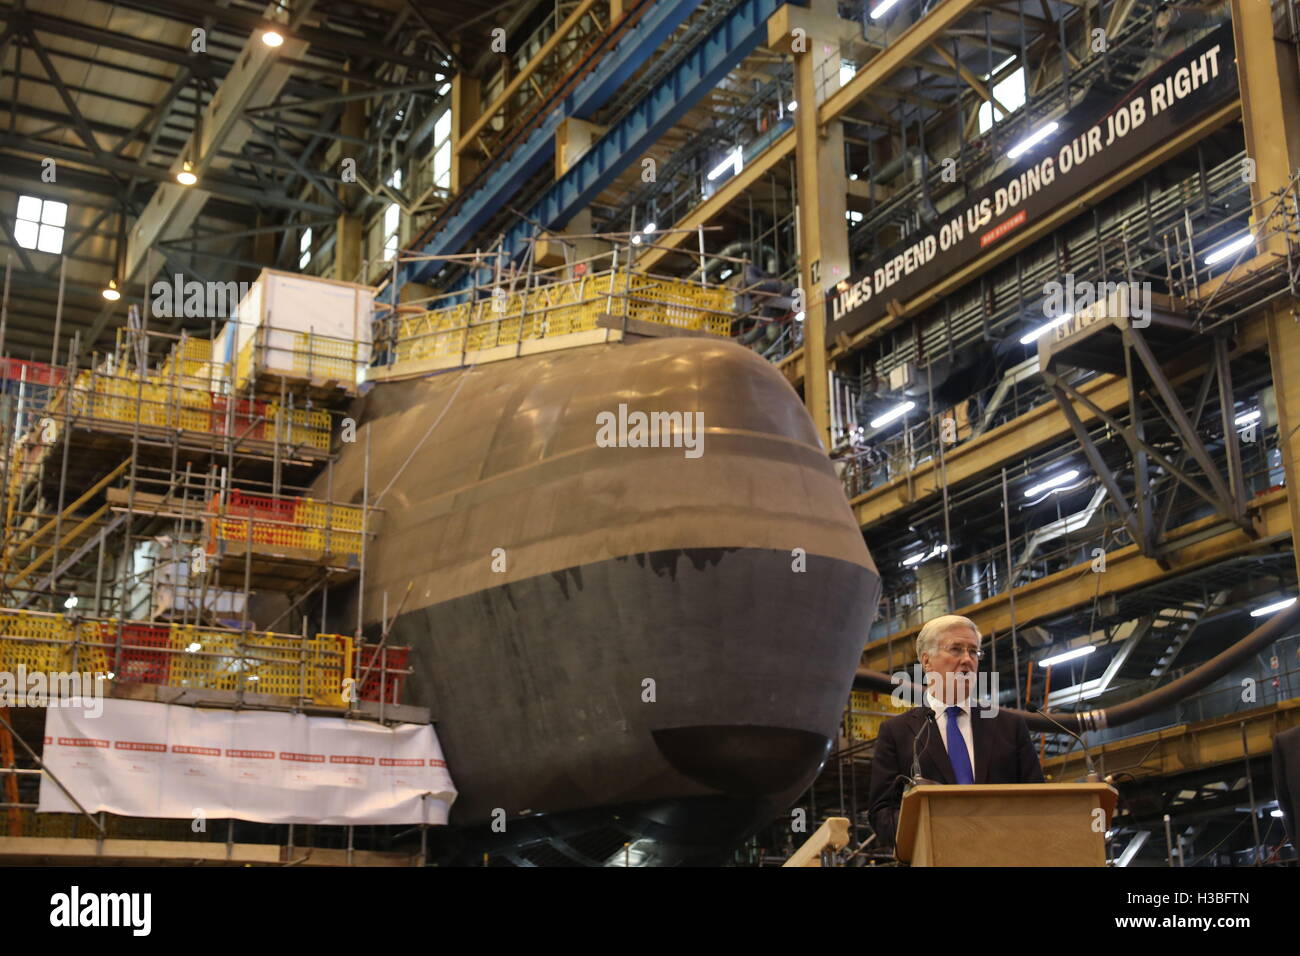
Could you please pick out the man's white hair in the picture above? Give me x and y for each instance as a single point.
(927, 642)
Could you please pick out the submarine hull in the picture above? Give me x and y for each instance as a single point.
(675, 673)
(599, 624)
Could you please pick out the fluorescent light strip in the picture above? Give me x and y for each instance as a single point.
(1033, 139)
(1055, 481)
(734, 161)
(1046, 327)
(882, 8)
(1245, 418)
(1235, 246)
(1067, 656)
(1270, 608)
(898, 411)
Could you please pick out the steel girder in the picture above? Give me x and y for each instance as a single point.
(624, 143)
(592, 92)
(1226, 497)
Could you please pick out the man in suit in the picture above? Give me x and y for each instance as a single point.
(1286, 779)
(966, 743)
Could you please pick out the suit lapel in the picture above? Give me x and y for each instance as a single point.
(937, 756)
(981, 730)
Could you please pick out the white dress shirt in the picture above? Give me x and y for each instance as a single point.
(963, 724)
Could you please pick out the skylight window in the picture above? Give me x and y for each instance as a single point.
(1010, 92)
(442, 151)
(40, 223)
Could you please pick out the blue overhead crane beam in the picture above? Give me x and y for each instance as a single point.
(591, 93)
(628, 140)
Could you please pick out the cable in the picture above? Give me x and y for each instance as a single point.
(420, 443)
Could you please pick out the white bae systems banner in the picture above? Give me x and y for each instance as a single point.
(144, 759)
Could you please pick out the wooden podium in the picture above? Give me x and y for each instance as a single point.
(1005, 824)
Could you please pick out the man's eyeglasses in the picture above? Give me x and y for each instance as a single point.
(959, 650)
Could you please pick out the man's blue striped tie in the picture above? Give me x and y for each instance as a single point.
(957, 752)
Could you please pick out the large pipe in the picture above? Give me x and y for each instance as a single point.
(1258, 639)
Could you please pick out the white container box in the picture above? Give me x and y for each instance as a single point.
(303, 328)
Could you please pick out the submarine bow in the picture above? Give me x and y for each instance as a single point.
(612, 626)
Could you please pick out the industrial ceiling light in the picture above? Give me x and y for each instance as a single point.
(880, 9)
(71, 602)
(272, 39)
(1245, 418)
(1067, 656)
(186, 176)
(1045, 328)
(799, 316)
(1033, 139)
(1064, 478)
(1236, 245)
(649, 228)
(792, 106)
(1270, 608)
(898, 411)
(111, 293)
(923, 555)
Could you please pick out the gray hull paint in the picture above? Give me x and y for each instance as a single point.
(538, 685)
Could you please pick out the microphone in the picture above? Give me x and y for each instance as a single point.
(917, 780)
(1093, 776)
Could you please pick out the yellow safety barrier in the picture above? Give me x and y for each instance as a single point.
(336, 529)
(299, 425)
(867, 711)
(318, 668)
(302, 523)
(262, 662)
(156, 402)
(321, 356)
(562, 308)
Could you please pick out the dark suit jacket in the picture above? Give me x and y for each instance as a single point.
(1003, 754)
(1286, 778)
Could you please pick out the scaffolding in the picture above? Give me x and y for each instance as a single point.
(149, 494)
(510, 310)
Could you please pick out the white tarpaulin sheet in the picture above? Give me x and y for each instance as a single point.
(144, 759)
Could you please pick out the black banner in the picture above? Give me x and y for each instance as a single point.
(1077, 155)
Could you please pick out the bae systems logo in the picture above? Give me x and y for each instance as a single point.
(651, 430)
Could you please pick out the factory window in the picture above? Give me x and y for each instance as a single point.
(442, 151)
(1010, 92)
(304, 249)
(39, 224)
(392, 218)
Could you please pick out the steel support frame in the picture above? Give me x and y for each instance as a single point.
(1198, 544)
(505, 180)
(698, 73)
(1227, 499)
